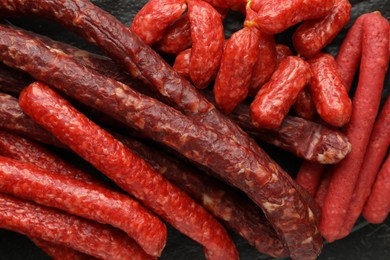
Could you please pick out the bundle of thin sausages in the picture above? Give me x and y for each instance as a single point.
(183, 119)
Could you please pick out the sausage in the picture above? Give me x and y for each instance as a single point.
(12, 118)
(90, 201)
(366, 101)
(273, 18)
(130, 172)
(377, 206)
(282, 51)
(226, 4)
(168, 130)
(182, 63)
(313, 35)
(303, 138)
(375, 154)
(265, 64)
(177, 37)
(154, 18)
(59, 252)
(235, 73)
(207, 42)
(309, 176)
(29, 151)
(348, 57)
(275, 98)
(323, 187)
(13, 81)
(231, 207)
(304, 106)
(95, 239)
(328, 91)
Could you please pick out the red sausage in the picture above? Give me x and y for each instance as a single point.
(86, 200)
(373, 67)
(282, 51)
(266, 63)
(328, 91)
(59, 252)
(234, 76)
(309, 176)
(154, 18)
(313, 35)
(304, 106)
(378, 204)
(29, 151)
(177, 37)
(323, 187)
(95, 239)
(226, 3)
(130, 172)
(274, 17)
(348, 57)
(275, 98)
(12, 118)
(207, 42)
(182, 63)
(375, 154)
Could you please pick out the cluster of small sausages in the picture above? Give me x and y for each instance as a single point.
(71, 214)
(249, 63)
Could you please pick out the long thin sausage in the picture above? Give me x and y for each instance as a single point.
(167, 125)
(86, 200)
(98, 240)
(130, 172)
(350, 52)
(366, 101)
(376, 152)
(377, 206)
(59, 252)
(26, 150)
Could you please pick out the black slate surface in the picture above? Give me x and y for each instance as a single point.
(366, 242)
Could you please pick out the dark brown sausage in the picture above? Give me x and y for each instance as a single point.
(90, 201)
(98, 240)
(167, 125)
(232, 208)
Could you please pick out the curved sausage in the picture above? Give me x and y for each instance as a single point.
(95, 239)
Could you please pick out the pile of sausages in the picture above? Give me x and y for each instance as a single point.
(209, 174)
